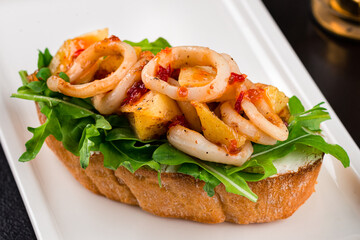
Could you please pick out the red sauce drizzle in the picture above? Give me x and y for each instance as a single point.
(286, 123)
(254, 94)
(232, 148)
(114, 38)
(175, 73)
(238, 102)
(182, 91)
(178, 120)
(234, 77)
(164, 73)
(77, 53)
(134, 93)
(167, 50)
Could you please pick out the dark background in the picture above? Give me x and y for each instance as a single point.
(333, 63)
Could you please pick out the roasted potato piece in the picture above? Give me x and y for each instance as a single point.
(190, 115)
(108, 65)
(284, 114)
(138, 51)
(215, 130)
(72, 47)
(196, 76)
(111, 63)
(277, 99)
(150, 116)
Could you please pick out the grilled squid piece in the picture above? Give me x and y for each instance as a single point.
(195, 144)
(233, 89)
(108, 103)
(267, 121)
(244, 126)
(85, 62)
(177, 57)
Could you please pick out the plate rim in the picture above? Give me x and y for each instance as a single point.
(262, 23)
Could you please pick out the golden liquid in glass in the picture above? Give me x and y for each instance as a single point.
(347, 9)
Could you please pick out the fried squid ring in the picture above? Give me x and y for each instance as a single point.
(188, 56)
(233, 90)
(244, 126)
(108, 103)
(86, 60)
(275, 128)
(233, 66)
(86, 75)
(195, 144)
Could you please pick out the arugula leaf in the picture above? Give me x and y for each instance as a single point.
(303, 129)
(82, 102)
(66, 108)
(72, 130)
(87, 144)
(112, 157)
(101, 122)
(64, 76)
(310, 119)
(121, 133)
(126, 133)
(264, 168)
(134, 150)
(153, 47)
(119, 154)
(23, 75)
(37, 86)
(79, 127)
(51, 126)
(319, 143)
(43, 74)
(166, 154)
(44, 58)
(118, 121)
(233, 183)
(295, 106)
(194, 170)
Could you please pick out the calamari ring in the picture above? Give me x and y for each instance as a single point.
(233, 90)
(195, 144)
(244, 126)
(276, 128)
(86, 60)
(108, 103)
(235, 69)
(188, 56)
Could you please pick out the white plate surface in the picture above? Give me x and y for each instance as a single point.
(60, 208)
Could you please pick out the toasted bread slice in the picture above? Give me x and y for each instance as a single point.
(182, 196)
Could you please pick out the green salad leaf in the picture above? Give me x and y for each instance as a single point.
(199, 173)
(43, 74)
(304, 128)
(64, 76)
(123, 157)
(153, 47)
(83, 130)
(23, 75)
(87, 144)
(44, 58)
(50, 127)
(166, 154)
(37, 86)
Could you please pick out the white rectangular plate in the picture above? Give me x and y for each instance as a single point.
(60, 208)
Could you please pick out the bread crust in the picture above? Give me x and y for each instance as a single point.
(182, 196)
